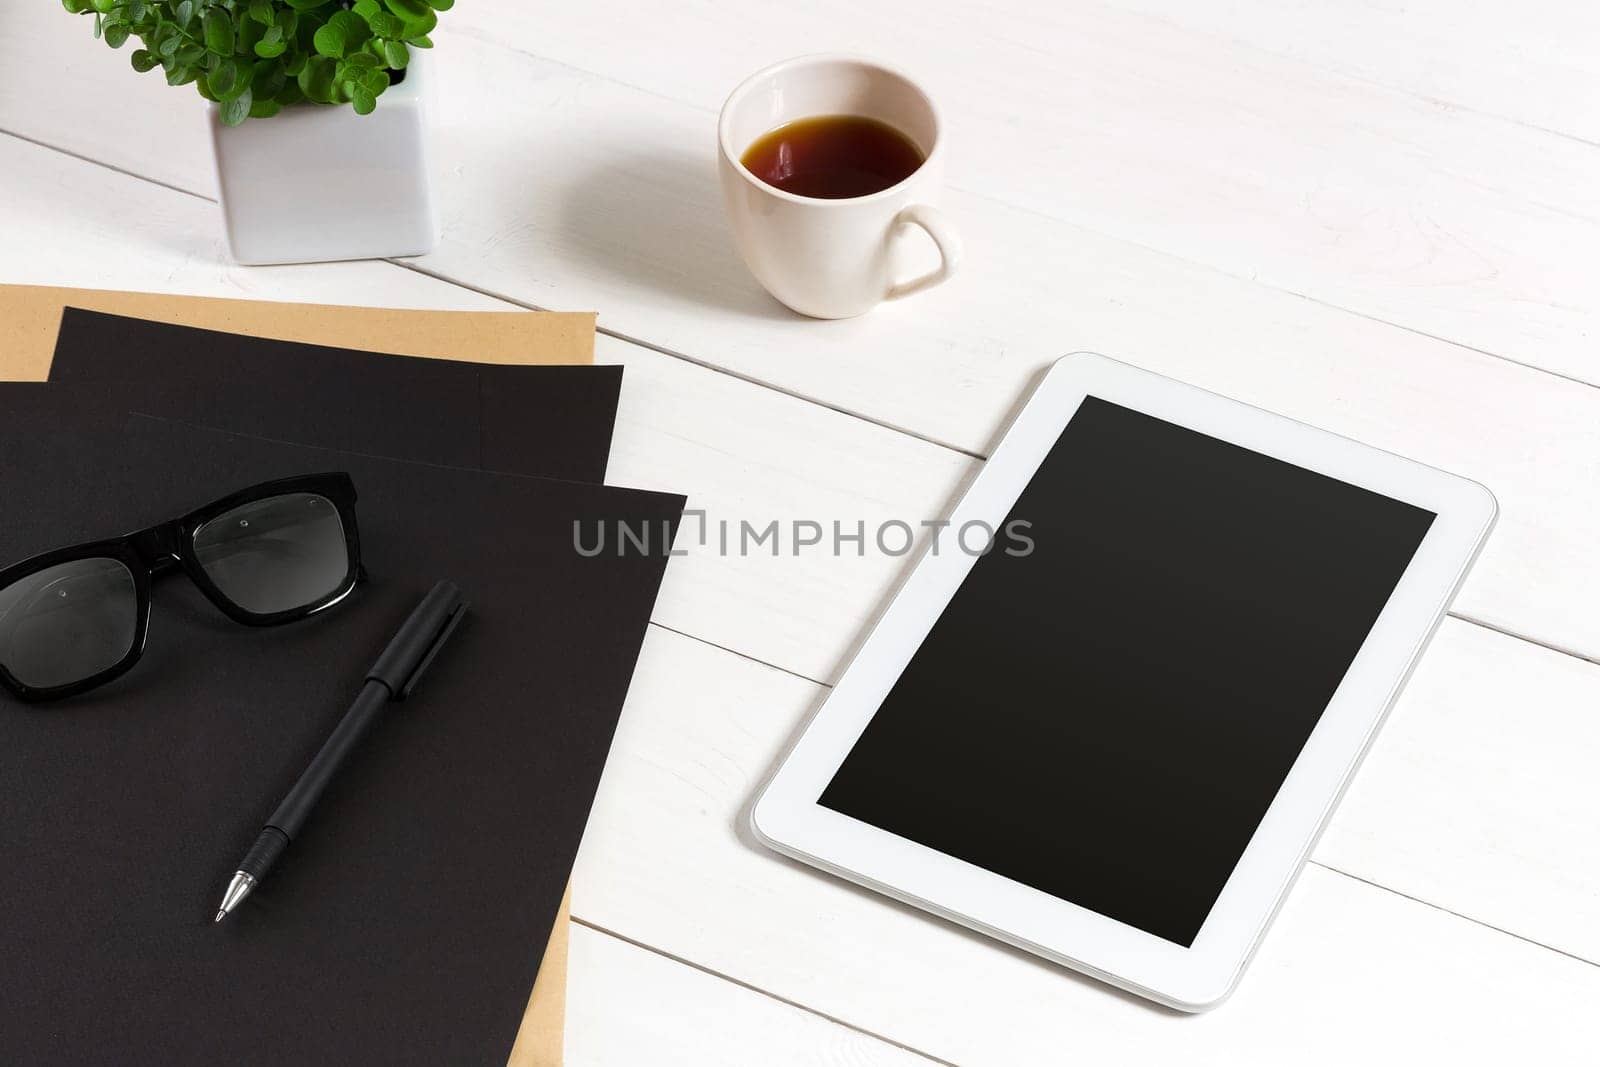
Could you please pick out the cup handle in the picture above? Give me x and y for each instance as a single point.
(944, 237)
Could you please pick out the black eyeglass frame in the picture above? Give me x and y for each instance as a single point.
(168, 545)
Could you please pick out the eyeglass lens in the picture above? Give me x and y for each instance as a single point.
(275, 554)
(68, 622)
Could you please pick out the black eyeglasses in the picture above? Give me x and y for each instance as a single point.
(77, 617)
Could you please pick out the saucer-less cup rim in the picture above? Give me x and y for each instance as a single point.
(735, 153)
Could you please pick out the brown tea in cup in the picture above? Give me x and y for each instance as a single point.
(833, 157)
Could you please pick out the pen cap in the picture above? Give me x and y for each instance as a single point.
(413, 648)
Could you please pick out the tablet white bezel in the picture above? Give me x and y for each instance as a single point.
(787, 817)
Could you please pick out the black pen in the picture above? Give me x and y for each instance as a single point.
(392, 678)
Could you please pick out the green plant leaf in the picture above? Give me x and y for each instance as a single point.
(268, 80)
(316, 80)
(278, 52)
(329, 41)
(249, 35)
(218, 28)
(416, 15)
(224, 82)
(237, 110)
(264, 109)
(423, 26)
(385, 25)
(354, 27)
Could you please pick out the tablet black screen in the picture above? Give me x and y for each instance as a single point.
(1108, 716)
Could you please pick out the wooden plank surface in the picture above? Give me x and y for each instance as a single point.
(634, 1007)
(1279, 202)
(622, 214)
(1262, 164)
(1171, 135)
(733, 444)
(1359, 967)
(1538, 64)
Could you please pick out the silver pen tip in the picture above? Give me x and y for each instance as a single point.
(238, 889)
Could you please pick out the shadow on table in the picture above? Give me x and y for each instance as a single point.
(654, 220)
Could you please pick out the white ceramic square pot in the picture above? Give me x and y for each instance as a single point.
(317, 182)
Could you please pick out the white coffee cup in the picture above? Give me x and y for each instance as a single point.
(832, 259)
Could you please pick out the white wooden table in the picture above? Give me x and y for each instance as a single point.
(1379, 218)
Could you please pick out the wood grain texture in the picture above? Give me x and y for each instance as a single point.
(668, 861)
(1192, 169)
(1253, 158)
(747, 453)
(1479, 794)
(623, 214)
(61, 46)
(633, 1007)
(1175, 136)
(1539, 66)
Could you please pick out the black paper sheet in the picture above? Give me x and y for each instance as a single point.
(405, 924)
(553, 421)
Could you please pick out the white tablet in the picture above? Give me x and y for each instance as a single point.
(1113, 739)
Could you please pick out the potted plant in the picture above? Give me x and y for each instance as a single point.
(310, 165)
